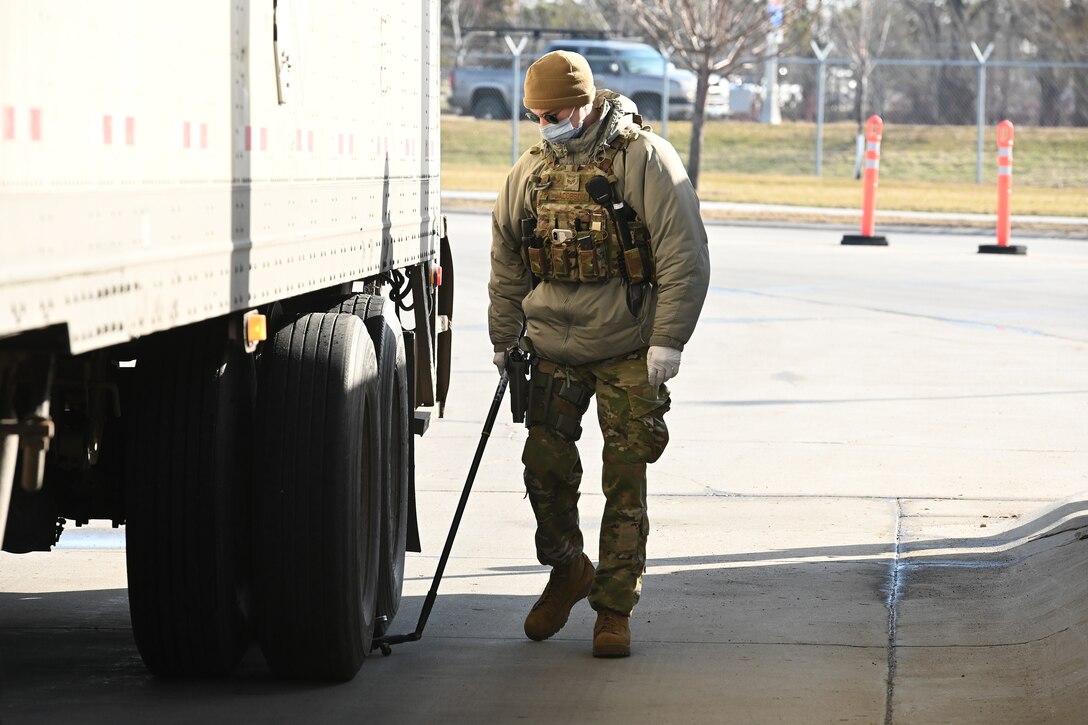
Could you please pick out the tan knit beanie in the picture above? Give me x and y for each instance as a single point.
(560, 79)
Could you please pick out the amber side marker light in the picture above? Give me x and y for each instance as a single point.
(256, 327)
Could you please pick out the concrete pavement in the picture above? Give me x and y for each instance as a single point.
(870, 512)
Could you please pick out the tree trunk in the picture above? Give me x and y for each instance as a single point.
(861, 100)
(1050, 92)
(1080, 97)
(697, 121)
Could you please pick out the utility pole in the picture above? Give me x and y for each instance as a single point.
(771, 113)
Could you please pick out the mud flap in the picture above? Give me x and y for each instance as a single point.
(445, 321)
(423, 306)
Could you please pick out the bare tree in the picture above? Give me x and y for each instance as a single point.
(593, 11)
(707, 37)
(862, 32)
(1058, 31)
(944, 30)
(461, 14)
(1078, 27)
(1042, 30)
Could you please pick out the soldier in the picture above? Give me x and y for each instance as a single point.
(599, 250)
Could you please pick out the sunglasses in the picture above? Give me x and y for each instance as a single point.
(549, 117)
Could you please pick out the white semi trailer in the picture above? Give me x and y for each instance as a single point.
(212, 217)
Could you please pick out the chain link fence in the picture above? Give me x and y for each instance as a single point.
(937, 126)
(932, 92)
(933, 113)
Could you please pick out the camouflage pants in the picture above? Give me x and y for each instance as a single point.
(631, 416)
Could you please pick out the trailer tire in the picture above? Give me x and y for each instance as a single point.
(385, 331)
(186, 483)
(396, 434)
(317, 503)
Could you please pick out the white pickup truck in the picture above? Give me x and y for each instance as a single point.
(634, 69)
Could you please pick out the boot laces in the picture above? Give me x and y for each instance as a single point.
(611, 622)
(545, 598)
(557, 577)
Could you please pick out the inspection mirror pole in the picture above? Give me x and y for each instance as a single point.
(515, 95)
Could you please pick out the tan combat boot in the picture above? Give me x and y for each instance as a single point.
(611, 634)
(566, 586)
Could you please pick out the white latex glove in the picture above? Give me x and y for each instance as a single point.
(500, 361)
(662, 363)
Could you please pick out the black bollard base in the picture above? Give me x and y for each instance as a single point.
(858, 239)
(999, 249)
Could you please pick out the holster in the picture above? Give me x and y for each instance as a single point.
(518, 365)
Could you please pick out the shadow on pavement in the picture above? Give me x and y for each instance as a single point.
(988, 629)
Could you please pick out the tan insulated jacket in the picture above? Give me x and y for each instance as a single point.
(578, 322)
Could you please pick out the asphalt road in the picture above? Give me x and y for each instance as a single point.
(871, 511)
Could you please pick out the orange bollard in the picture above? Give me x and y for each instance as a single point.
(874, 131)
(1004, 195)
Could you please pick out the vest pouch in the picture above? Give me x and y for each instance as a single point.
(537, 261)
(561, 261)
(589, 267)
(638, 265)
(639, 262)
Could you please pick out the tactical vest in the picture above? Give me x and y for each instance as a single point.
(575, 238)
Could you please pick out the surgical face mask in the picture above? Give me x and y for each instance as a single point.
(565, 130)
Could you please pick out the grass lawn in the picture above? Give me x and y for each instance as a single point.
(923, 168)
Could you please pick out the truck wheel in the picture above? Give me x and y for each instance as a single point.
(393, 372)
(185, 484)
(649, 107)
(317, 502)
(489, 106)
(385, 332)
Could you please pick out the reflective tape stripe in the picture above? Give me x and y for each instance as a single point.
(1004, 152)
(1004, 171)
(870, 146)
(35, 124)
(872, 163)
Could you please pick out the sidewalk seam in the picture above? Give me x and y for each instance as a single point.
(892, 603)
